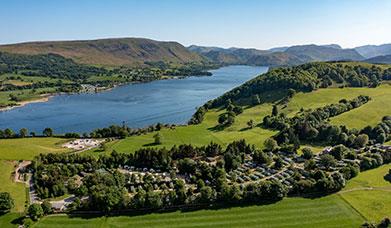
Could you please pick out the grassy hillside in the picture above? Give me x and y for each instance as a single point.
(329, 211)
(369, 114)
(28, 148)
(112, 52)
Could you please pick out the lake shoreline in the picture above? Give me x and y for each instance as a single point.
(42, 98)
(138, 104)
(46, 97)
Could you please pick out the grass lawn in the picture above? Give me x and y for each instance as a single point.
(17, 190)
(28, 148)
(368, 114)
(330, 211)
(374, 204)
(202, 134)
(9, 220)
(371, 178)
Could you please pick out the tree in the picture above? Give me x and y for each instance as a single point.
(48, 132)
(270, 144)
(158, 139)
(307, 153)
(47, 207)
(291, 93)
(222, 118)
(256, 100)
(250, 124)
(6, 202)
(23, 132)
(8, 133)
(327, 161)
(206, 194)
(35, 211)
(275, 110)
(261, 157)
(339, 151)
(361, 141)
(278, 164)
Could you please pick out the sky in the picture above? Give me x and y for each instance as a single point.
(261, 24)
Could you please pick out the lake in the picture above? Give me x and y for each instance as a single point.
(139, 105)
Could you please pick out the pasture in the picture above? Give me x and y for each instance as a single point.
(330, 211)
(17, 190)
(369, 193)
(28, 148)
(368, 114)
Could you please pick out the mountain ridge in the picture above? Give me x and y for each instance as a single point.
(110, 51)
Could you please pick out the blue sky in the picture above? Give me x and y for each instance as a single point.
(241, 23)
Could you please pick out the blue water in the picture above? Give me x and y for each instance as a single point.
(166, 101)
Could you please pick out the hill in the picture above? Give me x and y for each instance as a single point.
(110, 52)
(385, 59)
(279, 56)
(310, 53)
(370, 51)
(306, 78)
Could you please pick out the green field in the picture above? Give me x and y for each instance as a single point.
(17, 190)
(349, 208)
(371, 178)
(28, 148)
(370, 193)
(368, 114)
(328, 211)
(203, 133)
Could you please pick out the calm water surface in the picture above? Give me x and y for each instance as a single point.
(139, 105)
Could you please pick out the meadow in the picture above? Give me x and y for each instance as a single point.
(28, 148)
(368, 114)
(369, 193)
(17, 190)
(330, 211)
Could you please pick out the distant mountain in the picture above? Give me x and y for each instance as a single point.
(385, 59)
(275, 59)
(370, 51)
(282, 49)
(279, 56)
(227, 55)
(112, 52)
(311, 53)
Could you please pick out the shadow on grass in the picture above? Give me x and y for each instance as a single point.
(151, 144)
(182, 209)
(218, 128)
(18, 220)
(387, 177)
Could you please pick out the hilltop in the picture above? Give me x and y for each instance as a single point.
(110, 52)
